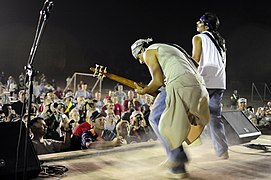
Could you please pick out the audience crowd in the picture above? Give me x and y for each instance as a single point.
(73, 120)
(82, 119)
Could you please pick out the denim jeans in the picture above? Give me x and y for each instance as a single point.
(176, 155)
(216, 125)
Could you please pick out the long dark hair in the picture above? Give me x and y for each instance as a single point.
(211, 20)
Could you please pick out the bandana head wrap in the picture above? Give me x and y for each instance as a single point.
(138, 45)
(210, 20)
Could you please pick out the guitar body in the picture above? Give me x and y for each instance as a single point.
(195, 131)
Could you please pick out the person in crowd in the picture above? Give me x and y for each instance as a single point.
(146, 107)
(78, 129)
(117, 106)
(48, 87)
(120, 94)
(12, 85)
(99, 102)
(111, 118)
(38, 129)
(21, 82)
(132, 99)
(68, 102)
(209, 51)
(80, 106)
(109, 96)
(98, 137)
(75, 116)
(3, 78)
(52, 120)
(127, 114)
(58, 92)
(83, 91)
(123, 130)
(139, 128)
(4, 95)
(2, 116)
(20, 105)
(10, 114)
(242, 106)
(234, 99)
(264, 114)
(47, 100)
(37, 92)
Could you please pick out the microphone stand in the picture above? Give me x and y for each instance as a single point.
(31, 72)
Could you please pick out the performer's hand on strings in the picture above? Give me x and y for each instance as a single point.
(138, 89)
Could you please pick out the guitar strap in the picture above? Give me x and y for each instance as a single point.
(185, 53)
(215, 42)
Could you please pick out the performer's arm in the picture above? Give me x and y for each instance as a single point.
(157, 81)
(197, 48)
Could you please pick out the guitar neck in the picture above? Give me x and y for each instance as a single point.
(125, 81)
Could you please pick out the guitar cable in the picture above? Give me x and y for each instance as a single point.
(52, 171)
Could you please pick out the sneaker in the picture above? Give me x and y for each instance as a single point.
(170, 175)
(225, 155)
(169, 164)
(178, 172)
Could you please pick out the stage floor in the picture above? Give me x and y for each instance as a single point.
(141, 161)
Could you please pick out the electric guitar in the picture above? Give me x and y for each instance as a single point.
(101, 72)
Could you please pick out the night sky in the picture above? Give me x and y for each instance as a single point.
(82, 33)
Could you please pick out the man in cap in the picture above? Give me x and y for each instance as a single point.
(182, 95)
(99, 137)
(210, 52)
(242, 106)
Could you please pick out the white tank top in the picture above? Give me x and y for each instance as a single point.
(172, 61)
(212, 65)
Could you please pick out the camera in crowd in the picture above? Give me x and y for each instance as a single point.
(53, 106)
(2, 116)
(90, 104)
(108, 135)
(139, 117)
(69, 125)
(13, 115)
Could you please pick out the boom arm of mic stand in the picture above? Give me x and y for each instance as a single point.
(44, 15)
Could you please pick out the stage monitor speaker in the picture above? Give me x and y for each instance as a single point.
(238, 128)
(12, 167)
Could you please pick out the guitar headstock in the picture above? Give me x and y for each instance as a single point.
(99, 71)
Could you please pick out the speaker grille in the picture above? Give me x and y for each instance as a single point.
(9, 135)
(238, 128)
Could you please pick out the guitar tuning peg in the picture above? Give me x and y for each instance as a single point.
(95, 74)
(101, 68)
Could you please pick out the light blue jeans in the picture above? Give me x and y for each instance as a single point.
(176, 155)
(216, 125)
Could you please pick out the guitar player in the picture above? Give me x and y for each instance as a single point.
(182, 101)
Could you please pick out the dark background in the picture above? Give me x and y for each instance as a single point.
(82, 33)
